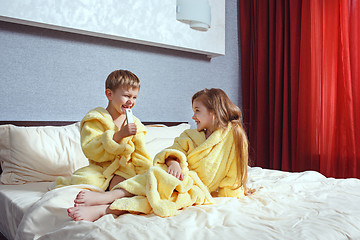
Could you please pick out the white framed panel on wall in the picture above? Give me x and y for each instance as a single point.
(150, 22)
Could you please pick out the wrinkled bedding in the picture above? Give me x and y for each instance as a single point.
(286, 205)
(15, 201)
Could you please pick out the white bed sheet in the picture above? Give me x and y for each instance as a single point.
(286, 205)
(15, 201)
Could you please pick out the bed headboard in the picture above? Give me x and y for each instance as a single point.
(64, 123)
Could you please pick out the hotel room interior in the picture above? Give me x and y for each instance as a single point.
(293, 67)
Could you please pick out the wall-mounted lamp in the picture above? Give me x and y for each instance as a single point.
(196, 13)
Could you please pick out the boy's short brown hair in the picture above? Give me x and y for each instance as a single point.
(121, 78)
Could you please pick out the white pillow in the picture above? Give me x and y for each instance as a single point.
(36, 154)
(159, 137)
(33, 154)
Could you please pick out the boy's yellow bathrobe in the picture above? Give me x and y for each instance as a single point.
(208, 166)
(106, 157)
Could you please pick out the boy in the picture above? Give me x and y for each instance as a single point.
(116, 150)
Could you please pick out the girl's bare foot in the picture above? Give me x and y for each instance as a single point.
(91, 213)
(89, 198)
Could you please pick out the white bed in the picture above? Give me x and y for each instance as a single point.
(15, 201)
(286, 205)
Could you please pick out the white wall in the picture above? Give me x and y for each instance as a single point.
(151, 22)
(54, 75)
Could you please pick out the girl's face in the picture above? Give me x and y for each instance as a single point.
(122, 98)
(203, 117)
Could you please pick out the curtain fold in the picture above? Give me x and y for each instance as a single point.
(300, 75)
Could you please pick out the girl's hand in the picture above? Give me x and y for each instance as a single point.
(174, 169)
(126, 131)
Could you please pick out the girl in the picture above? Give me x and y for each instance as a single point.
(204, 162)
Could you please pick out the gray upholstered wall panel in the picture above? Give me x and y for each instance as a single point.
(54, 75)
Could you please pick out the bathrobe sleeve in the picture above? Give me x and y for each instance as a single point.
(179, 149)
(97, 143)
(182, 143)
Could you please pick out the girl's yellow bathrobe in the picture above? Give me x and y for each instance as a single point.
(106, 157)
(208, 165)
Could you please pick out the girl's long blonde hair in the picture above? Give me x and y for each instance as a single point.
(225, 111)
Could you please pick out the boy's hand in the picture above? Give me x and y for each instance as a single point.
(126, 131)
(174, 168)
(129, 129)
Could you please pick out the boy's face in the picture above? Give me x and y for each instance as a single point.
(122, 98)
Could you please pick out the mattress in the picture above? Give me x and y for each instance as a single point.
(304, 205)
(15, 201)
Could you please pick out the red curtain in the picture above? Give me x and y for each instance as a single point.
(300, 76)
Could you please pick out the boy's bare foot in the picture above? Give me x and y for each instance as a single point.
(87, 213)
(91, 213)
(89, 198)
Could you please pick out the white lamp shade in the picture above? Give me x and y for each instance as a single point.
(197, 13)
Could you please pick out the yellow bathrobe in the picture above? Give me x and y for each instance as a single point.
(106, 157)
(208, 166)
